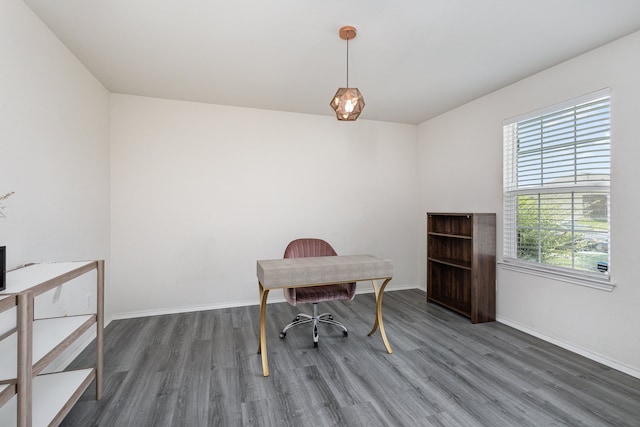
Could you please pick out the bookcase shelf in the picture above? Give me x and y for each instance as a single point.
(461, 263)
(27, 396)
(453, 262)
(451, 236)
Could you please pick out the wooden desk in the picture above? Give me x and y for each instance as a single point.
(318, 271)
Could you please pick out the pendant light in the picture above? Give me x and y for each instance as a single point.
(347, 102)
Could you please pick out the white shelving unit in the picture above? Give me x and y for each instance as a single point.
(27, 397)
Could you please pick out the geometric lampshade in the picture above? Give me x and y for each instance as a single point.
(347, 103)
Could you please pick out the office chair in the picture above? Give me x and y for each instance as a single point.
(301, 248)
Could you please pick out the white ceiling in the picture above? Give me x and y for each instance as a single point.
(412, 59)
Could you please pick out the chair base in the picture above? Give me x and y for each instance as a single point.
(302, 318)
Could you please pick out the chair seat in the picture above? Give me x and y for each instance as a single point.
(314, 294)
(301, 248)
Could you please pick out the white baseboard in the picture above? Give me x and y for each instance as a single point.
(274, 297)
(568, 346)
(71, 353)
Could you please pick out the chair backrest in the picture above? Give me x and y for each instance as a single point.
(301, 248)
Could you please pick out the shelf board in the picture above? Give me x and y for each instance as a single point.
(53, 396)
(48, 336)
(453, 236)
(457, 263)
(42, 277)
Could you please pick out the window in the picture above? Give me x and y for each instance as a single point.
(556, 189)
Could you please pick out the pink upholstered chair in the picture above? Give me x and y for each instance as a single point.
(314, 294)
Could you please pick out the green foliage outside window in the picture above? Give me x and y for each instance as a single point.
(547, 234)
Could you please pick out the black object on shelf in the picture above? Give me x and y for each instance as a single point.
(3, 268)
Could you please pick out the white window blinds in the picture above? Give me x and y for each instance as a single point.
(556, 187)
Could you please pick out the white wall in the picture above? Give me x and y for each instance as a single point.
(54, 150)
(467, 142)
(200, 192)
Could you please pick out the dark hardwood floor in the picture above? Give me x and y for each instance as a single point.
(201, 369)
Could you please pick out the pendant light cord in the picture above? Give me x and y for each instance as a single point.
(347, 62)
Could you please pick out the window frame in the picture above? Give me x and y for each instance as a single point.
(512, 190)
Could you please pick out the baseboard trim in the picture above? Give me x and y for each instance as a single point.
(64, 360)
(274, 298)
(575, 349)
(83, 342)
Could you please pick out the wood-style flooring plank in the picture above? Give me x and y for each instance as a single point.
(202, 369)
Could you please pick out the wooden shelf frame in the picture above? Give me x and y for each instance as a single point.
(461, 263)
(26, 395)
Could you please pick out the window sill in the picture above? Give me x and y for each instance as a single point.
(593, 282)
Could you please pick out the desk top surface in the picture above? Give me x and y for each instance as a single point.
(308, 271)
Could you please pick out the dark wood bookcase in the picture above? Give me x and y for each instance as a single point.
(461, 263)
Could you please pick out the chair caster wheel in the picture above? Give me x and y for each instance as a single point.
(283, 335)
(344, 334)
(315, 345)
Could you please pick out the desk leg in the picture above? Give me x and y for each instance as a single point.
(262, 348)
(378, 321)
